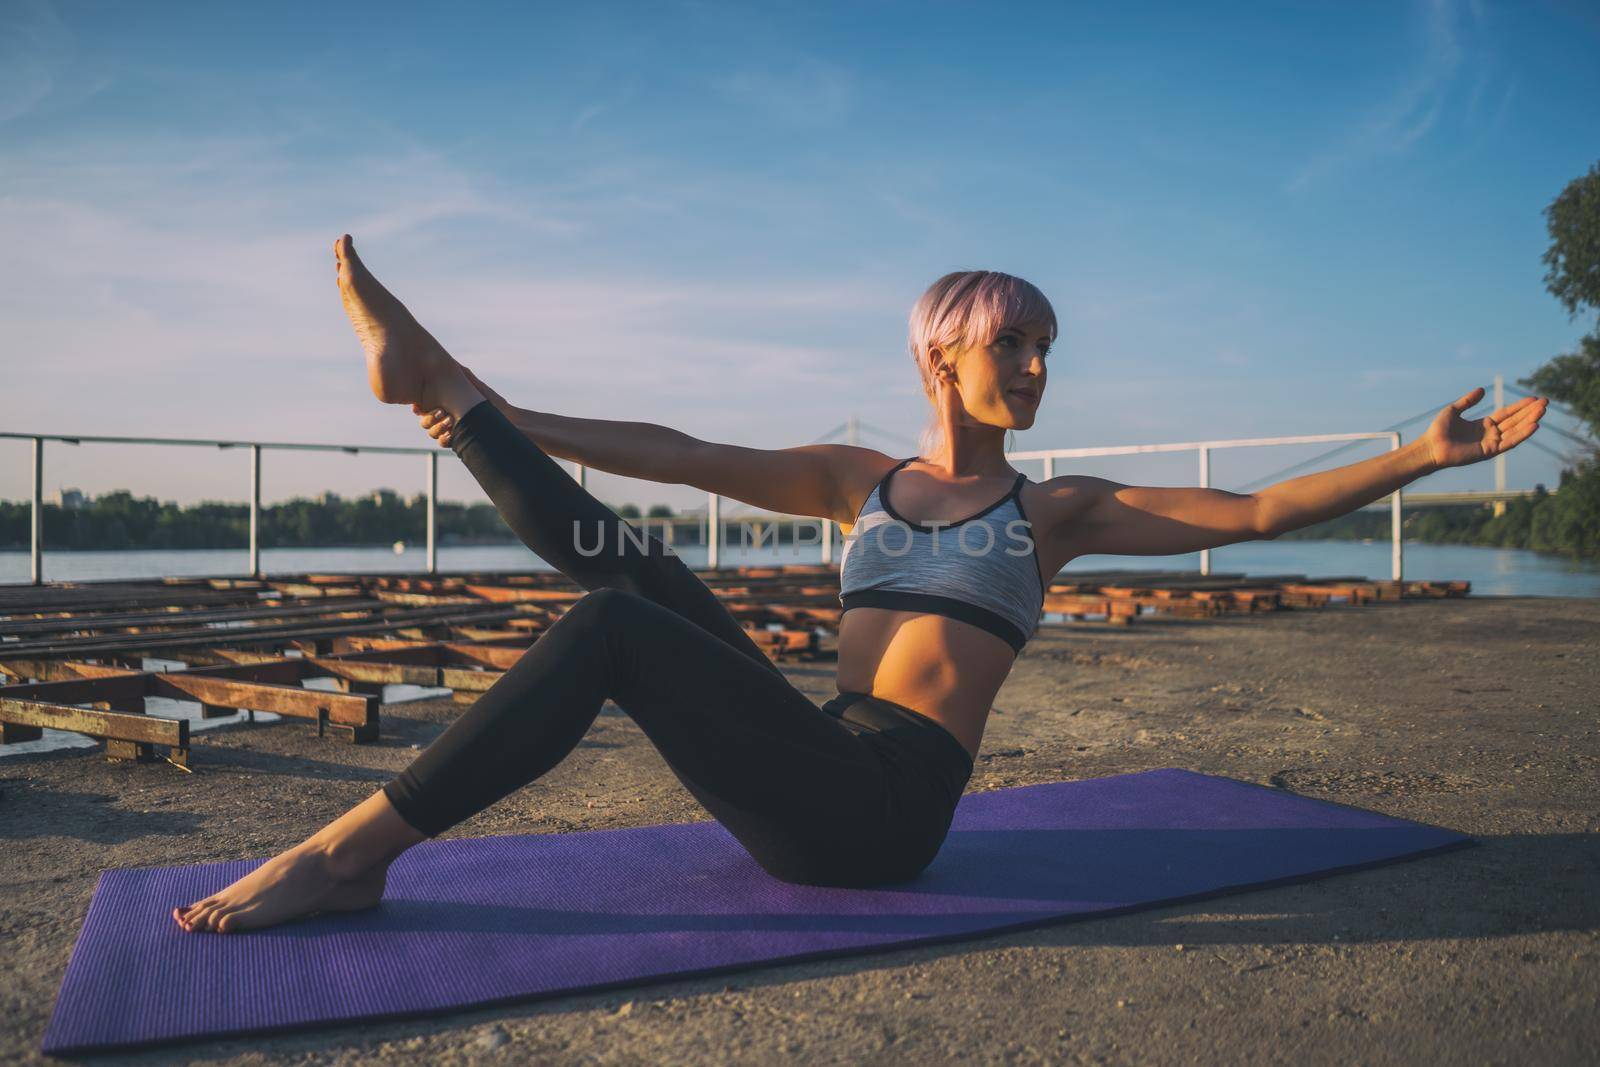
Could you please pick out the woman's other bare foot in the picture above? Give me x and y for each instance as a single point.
(343, 867)
(405, 365)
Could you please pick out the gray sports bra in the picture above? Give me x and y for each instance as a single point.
(982, 569)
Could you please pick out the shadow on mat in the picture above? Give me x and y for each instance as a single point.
(1484, 891)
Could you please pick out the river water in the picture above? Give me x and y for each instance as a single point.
(1492, 571)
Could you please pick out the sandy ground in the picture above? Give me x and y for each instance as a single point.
(1479, 714)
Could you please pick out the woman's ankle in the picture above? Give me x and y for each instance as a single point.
(367, 837)
(452, 390)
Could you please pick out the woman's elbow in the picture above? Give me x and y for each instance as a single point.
(1262, 524)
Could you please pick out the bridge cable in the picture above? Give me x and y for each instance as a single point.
(1586, 442)
(839, 429)
(1563, 457)
(901, 438)
(1250, 487)
(1553, 403)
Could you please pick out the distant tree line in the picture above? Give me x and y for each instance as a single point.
(1525, 524)
(120, 520)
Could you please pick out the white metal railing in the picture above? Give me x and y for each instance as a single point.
(36, 538)
(711, 525)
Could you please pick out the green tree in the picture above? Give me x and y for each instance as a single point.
(1573, 257)
(1569, 522)
(1573, 378)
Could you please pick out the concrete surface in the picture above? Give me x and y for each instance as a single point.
(1479, 714)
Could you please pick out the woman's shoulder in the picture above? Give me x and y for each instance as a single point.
(860, 472)
(1059, 500)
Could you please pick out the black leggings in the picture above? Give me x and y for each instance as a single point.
(857, 792)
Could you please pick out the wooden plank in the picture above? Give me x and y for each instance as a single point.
(134, 732)
(395, 596)
(148, 728)
(484, 633)
(495, 656)
(75, 597)
(464, 680)
(122, 688)
(181, 616)
(440, 653)
(779, 643)
(346, 709)
(379, 673)
(1074, 604)
(309, 590)
(501, 594)
(259, 687)
(53, 670)
(438, 617)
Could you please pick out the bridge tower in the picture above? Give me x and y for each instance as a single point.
(1500, 460)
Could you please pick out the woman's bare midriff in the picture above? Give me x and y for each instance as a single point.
(940, 667)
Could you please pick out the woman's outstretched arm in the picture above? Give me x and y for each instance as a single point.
(1100, 516)
(814, 480)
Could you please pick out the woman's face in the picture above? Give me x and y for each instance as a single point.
(1003, 384)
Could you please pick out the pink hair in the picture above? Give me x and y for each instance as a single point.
(969, 308)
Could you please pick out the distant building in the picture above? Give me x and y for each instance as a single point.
(70, 499)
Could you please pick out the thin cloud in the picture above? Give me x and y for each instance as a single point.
(1382, 376)
(617, 97)
(192, 282)
(1407, 116)
(30, 37)
(805, 91)
(586, 115)
(38, 68)
(1498, 119)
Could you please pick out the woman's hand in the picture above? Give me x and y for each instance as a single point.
(439, 423)
(1454, 442)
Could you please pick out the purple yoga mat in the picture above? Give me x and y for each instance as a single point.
(496, 919)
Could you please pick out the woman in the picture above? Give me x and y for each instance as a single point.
(861, 790)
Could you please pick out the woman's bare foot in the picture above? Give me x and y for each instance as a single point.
(405, 365)
(342, 867)
(301, 881)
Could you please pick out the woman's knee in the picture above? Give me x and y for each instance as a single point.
(602, 608)
(594, 630)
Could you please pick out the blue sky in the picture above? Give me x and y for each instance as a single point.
(1253, 219)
